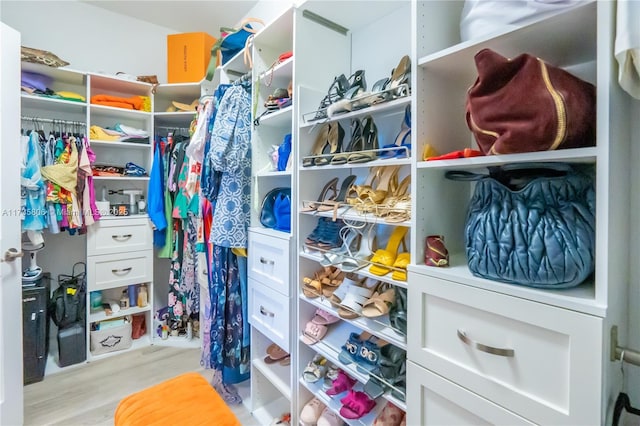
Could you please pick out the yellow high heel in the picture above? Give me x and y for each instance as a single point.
(387, 257)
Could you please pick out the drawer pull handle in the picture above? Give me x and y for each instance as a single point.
(266, 313)
(484, 348)
(124, 237)
(123, 271)
(266, 261)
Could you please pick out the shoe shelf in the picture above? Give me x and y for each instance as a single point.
(280, 72)
(373, 163)
(391, 106)
(377, 326)
(52, 104)
(315, 253)
(330, 346)
(580, 298)
(349, 213)
(117, 144)
(362, 271)
(578, 155)
(265, 414)
(274, 174)
(334, 404)
(277, 119)
(278, 375)
(562, 40)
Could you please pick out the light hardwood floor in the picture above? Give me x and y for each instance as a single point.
(88, 394)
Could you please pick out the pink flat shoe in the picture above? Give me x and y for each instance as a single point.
(341, 384)
(356, 404)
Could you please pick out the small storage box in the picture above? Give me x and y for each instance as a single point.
(111, 339)
(188, 56)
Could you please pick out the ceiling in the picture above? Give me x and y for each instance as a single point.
(182, 15)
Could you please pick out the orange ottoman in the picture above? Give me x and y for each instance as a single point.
(184, 400)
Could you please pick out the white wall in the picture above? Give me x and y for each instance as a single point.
(90, 38)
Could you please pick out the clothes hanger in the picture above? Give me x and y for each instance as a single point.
(622, 402)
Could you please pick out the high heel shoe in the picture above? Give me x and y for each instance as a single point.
(336, 91)
(318, 147)
(355, 261)
(334, 138)
(332, 186)
(383, 259)
(339, 199)
(401, 75)
(396, 207)
(402, 141)
(369, 143)
(357, 84)
(357, 192)
(370, 198)
(355, 144)
(350, 242)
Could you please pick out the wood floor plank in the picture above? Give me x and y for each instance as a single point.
(89, 394)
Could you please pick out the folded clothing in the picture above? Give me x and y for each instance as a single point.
(133, 102)
(106, 170)
(97, 133)
(132, 169)
(34, 80)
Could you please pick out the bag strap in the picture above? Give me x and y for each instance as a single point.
(244, 25)
(463, 175)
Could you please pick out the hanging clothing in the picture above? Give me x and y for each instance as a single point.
(230, 154)
(627, 46)
(32, 194)
(155, 197)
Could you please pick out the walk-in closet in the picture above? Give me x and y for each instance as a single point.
(320, 212)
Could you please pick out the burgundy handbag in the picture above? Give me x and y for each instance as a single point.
(524, 104)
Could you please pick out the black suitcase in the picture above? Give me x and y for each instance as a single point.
(72, 344)
(35, 328)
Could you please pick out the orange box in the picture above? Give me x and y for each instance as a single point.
(188, 56)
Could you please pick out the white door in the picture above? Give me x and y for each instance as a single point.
(11, 404)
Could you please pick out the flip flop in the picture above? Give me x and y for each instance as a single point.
(275, 354)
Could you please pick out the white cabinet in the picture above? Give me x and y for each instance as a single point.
(118, 236)
(541, 355)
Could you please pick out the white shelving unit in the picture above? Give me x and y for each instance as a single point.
(361, 47)
(270, 265)
(102, 245)
(448, 381)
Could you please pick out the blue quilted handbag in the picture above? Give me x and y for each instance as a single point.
(531, 224)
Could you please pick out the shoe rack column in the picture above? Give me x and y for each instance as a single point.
(340, 224)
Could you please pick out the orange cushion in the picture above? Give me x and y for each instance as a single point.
(184, 400)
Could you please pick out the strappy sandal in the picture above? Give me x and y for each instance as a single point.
(324, 196)
(356, 297)
(358, 192)
(337, 201)
(370, 199)
(401, 148)
(379, 304)
(312, 287)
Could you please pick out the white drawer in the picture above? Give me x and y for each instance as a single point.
(119, 236)
(116, 270)
(269, 313)
(269, 261)
(553, 375)
(437, 401)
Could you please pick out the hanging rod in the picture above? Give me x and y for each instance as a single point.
(244, 77)
(172, 128)
(620, 353)
(52, 120)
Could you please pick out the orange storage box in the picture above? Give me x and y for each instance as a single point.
(188, 56)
